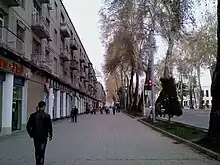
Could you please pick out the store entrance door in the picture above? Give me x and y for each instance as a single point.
(17, 108)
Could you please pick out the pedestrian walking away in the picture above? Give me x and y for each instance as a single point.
(74, 114)
(39, 126)
(114, 109)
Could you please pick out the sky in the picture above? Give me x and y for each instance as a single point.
(85, 18)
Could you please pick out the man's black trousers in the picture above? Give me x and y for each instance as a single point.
(74, 118)
(40, 147)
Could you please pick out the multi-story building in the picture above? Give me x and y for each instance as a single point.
(41, 58)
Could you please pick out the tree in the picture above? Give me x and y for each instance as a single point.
(125, 41)
(214, 122)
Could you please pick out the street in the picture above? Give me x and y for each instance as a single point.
(102, 140)
(199, 118)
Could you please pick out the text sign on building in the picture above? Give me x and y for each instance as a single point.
(11, 66)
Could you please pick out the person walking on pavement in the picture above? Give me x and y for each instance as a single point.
(74, 114)
(39, 126)
(113, 109)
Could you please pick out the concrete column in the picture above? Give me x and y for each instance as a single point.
(64, 104)
(24, 105)
(7, 104)
(51, 102)
(58, 104)
(83, 106)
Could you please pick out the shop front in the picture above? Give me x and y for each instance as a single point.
(2, 79)
(13, 96)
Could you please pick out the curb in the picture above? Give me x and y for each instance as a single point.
(203, 150)
(131, 116)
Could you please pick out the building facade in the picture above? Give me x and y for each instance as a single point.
(207, 98)
(41, 58)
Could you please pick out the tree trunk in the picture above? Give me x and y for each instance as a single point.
(200, 88)
(195, 99)
(190, 92)
(140, 103)
(136, 91)
(181, 90)
(130, 88)
(167, 71)
(214, 122)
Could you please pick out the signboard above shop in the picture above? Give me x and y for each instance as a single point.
(11, 66)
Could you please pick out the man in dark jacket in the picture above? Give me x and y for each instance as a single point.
(39, 126)
(74, 114)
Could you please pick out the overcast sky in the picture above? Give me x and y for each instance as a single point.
(84, 15)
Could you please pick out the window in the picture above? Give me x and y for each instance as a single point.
(36, 47)
(23, 4)
(47, 24)
(62, 18)
(207, 93)
(56, 11)
(203, 93)
(55, 63)
(47, 56)
(20, 32)
(71, 76)
(62, 68)
(55, 36)
(20, 35)
(207, 102)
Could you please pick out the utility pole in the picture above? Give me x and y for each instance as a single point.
(144, 107)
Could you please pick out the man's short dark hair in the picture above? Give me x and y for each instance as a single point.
(41, 104)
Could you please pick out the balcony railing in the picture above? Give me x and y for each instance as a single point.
(40, 26)
(41, 61)
(64, 54)
(10, 41)
(64, 30)
(12, 3)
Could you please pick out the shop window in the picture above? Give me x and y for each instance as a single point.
(61, 104)
(54, 104)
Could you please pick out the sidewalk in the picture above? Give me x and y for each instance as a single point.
(103, 140)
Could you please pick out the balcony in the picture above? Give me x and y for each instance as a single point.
(64, 54)
(73, 44)
(40, 27)
(82, 75)
(64, 30)
(74, 65)
(9, 41)
(44, 1)
(12, 3)
(41, 61)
